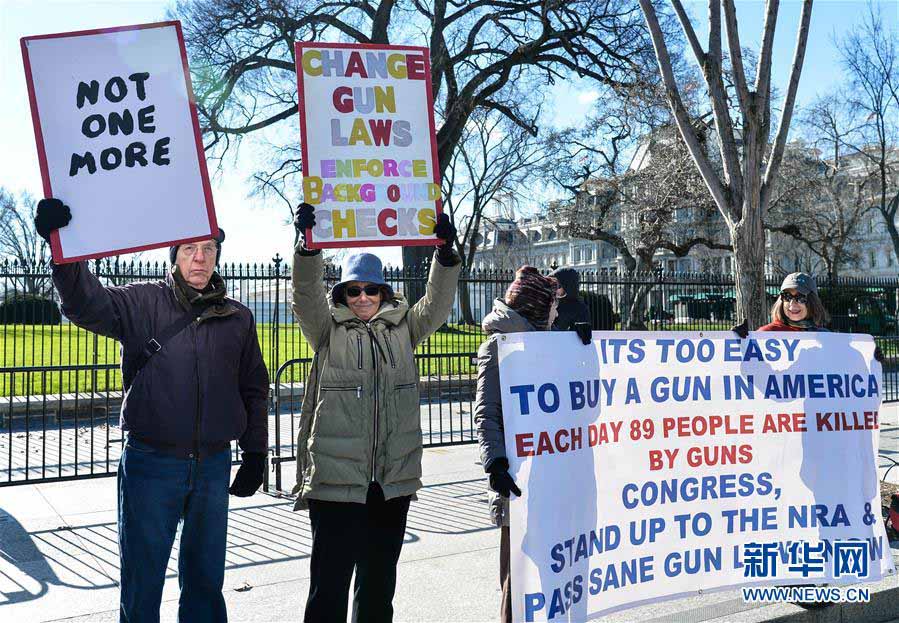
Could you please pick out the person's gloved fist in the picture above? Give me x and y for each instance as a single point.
(51, 214)
(249, 476)
(585, 332)
(500, 480)
(878, 354)
(742, 329)
(304, 219)
(446, 231)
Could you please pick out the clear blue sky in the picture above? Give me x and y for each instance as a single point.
(256, 231)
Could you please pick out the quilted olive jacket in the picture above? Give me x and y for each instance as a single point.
(360, 420)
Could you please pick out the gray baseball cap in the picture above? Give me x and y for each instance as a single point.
(801, 282)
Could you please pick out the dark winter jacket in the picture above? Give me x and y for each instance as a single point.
(488, 408)
(207, 386)
(571, 309)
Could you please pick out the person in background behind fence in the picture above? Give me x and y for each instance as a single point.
(797, 308)
(530, 304)
(194, 380)
(571, 309)
(359, 445)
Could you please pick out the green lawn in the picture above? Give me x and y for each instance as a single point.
(36, 346)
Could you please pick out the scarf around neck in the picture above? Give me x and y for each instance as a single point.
(805, 325)
(212, 297)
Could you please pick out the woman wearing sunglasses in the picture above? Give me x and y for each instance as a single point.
(359, 445)
(798, 307)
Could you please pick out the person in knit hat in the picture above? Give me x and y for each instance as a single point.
(529, 305)
(534, 297)
(194, 379)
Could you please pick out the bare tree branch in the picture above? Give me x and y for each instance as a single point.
(783, 128)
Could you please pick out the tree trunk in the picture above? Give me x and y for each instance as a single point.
(748, 239)
(465, 302)
(633, 296)
(636, 319)
(415, 265)
(888, 212)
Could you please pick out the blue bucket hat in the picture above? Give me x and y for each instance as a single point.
(360, 267)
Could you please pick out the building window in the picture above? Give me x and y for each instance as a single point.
(889, 257)
(873, 260)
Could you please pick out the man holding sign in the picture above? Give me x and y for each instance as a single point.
(194, 380)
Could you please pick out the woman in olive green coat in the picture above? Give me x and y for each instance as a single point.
(359, 445)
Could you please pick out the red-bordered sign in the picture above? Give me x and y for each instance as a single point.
(59, 254)
(382, 204)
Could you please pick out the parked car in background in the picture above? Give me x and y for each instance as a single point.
(855, 310)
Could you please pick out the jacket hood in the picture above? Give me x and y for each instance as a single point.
(569, 279)
(504, 319)
(392, 311)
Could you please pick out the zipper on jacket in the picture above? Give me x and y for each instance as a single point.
(390, 352)
(359, 349)
(195, 330)
(358, 389)
(374, 440)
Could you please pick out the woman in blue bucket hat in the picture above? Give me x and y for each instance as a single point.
(359, 445)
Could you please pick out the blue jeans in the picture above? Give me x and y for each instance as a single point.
(156, 492)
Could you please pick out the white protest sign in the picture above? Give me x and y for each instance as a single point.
(369, 149)
(118, 139)
(656, 465)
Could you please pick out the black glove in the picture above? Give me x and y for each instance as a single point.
(741, 329)
(500, 480)
(446, 231)
(304, 219)
(585, 332)
(51, 214)
(878, 354)
(249, 476)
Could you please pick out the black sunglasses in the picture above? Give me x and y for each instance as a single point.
(786, 297)
(371, 290)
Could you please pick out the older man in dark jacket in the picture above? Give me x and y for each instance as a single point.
(194, 380)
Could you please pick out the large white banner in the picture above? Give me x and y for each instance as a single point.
(656, 465)
(118, 139)
(369, 147)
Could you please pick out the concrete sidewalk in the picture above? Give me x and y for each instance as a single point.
(58, 558)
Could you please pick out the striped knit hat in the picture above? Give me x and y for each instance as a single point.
(532, 295)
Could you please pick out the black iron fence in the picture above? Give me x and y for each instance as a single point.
(60, 387)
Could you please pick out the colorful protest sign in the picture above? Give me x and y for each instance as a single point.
(368, 143)
(657, 465)
(118, 139)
